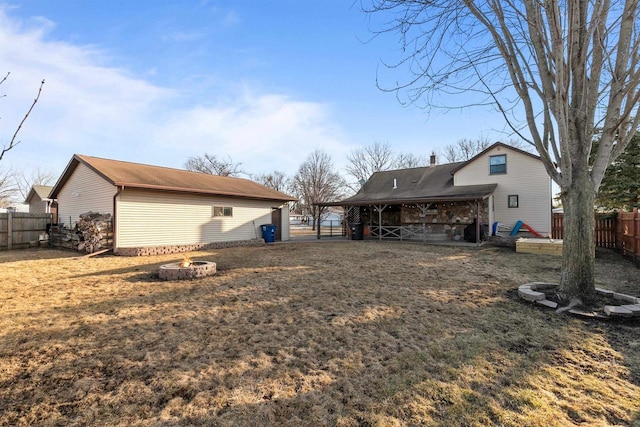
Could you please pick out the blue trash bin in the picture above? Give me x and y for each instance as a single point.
(268, 232)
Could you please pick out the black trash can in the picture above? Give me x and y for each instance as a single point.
(268, 232)
(357, 231)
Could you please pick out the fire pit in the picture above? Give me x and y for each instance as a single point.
(187, 269)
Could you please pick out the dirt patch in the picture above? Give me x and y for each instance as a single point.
(347, 334)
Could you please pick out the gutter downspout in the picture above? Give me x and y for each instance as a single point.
(113, 217)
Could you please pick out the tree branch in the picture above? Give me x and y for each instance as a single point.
(13, 142)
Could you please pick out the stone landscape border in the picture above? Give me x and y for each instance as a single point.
(177, 249)
(629, 307)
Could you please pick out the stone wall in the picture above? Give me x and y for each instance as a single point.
(445, 213)
(445, 219)
(163, 250)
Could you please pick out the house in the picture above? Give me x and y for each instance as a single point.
(39, 201)
(15, 207)
(502, 184)
(158, 209)
(298, 219)
(332, 217)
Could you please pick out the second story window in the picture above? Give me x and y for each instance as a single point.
(497, 164)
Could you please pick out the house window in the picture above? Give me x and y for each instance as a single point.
(497, 164)
(222, 211)
(513, 201)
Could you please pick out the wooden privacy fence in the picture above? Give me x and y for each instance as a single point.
(621, 231)
(628, 233)
(21, 230)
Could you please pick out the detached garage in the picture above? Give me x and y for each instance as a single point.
(157, 209)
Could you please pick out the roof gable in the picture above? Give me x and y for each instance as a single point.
(42, 191)
(491, 147)
(136, 175)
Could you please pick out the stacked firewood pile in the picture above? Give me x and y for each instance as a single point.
(96, 231)
(92, 233)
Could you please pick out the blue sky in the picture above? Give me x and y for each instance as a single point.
(264, 82)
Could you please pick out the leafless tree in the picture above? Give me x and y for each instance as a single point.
(556, 70)
(363, 162)
(7, 187)
(276, 180)
(464, 149)
(209, 163)
(13, 142)
(38, 176)
(317, 181)
(409, 160)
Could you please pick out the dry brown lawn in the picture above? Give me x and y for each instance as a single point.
(318, 334)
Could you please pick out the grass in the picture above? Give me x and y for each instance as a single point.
(318, 334)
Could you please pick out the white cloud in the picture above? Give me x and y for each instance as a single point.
(264, 132)
(92, 107)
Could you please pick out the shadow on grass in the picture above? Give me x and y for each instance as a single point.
(32, 254)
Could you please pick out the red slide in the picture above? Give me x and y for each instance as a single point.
(532, 231)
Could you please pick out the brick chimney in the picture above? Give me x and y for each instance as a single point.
(432, 159)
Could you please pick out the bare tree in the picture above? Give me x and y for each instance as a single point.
(317, 181)
(556, 70)
(363, 162)
(276, 180)
(38, 176)
(7, 187)
(464, 149)
(409, 160)
(209, 163)
(13, 142)
(451, 153)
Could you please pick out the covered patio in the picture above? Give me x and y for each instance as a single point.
(418, 204)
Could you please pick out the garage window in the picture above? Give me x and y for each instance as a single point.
(222, 211)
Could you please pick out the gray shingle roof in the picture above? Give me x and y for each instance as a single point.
(416, 185)
(42, 191)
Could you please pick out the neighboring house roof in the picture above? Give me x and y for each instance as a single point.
(42, 191)
(136, 175)
(416, 185)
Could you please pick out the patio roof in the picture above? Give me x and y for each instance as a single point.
(429, 184)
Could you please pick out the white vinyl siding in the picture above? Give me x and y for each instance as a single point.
(150, 218)
(84, 191)
(526, 177)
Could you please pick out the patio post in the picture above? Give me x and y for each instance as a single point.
(423, 214)
(380, 208)
(478, 222)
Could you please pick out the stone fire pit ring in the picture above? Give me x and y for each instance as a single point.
(175, 271)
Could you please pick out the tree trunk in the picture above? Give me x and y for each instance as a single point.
(578, 253)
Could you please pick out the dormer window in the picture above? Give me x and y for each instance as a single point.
(498, 164)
